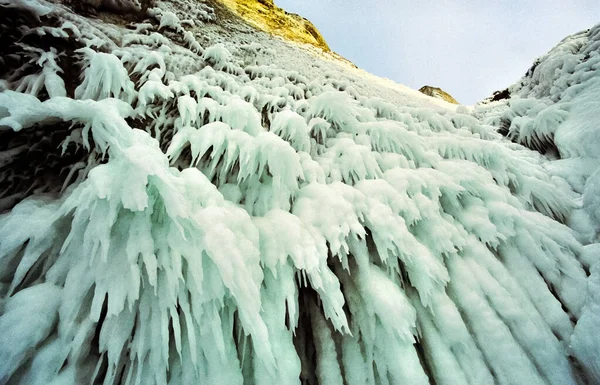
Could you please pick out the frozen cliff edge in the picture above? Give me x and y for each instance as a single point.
(187, 200)
(555, 109)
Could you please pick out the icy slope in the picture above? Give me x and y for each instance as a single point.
(555, 109)
(188, 200)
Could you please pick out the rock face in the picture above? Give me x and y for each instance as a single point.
(266, 16)
(438, 93)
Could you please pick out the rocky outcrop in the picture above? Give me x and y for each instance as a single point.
(266, 16)
(438, 93)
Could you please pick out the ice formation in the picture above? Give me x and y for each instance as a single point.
(188, 201)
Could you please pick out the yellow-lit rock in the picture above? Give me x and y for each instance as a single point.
(266, 16)
(438, 93)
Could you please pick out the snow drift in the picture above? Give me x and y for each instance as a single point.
(187, 200)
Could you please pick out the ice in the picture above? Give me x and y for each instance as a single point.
(328, 369)
(584, 341)
(218, 56)
(27, 319)
(49, 79)
(579, 135)
(36, 7)
(241, 115)
(292, 127)
(261, 212)
(105, 77)
(193, 44)
(169, 20)
(187, 108)
(337, 108)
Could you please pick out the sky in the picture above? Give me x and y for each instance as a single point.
(468, 48)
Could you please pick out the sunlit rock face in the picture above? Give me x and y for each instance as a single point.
(187, 200)
(266, 16)
(439, 93)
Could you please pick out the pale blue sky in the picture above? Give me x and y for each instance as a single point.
(469, 48)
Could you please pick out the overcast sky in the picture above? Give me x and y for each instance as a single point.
(469, 48)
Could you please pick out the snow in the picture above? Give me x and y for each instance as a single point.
(244, 214)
